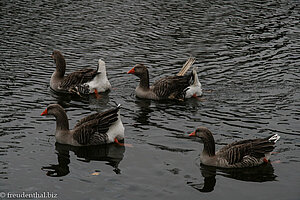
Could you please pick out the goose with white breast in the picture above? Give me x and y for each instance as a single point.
(95, 129)
(83, 81)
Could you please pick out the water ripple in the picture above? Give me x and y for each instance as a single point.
(248, 63)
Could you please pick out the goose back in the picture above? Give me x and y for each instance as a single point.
(92, 129)
(171, 87)
(246, 152)
(77, 78)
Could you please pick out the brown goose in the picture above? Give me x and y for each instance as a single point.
(244, 153)
(170, 87)
(83, 81)
(95, 129)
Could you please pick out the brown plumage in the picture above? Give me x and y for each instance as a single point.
(77, 78)
(170, 87)
(95, 129)
(244, 153)
(73, 82)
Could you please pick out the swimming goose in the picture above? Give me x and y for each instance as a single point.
(170, 87)
(244, 153)
(82, 81)
(95, 129)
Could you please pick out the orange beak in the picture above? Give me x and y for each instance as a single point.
(122, 144)
(193, 134)
(45, 112)
(131, 71)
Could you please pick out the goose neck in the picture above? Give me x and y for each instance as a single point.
(62, 123)
(144, 80)
(60, 67)
(209, 146)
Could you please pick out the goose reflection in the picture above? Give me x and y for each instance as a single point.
(111, 153)
(262, 173)
(64, 99)
(143, 114)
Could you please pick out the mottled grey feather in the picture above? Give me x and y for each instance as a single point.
(171, 87)
(77, 78)
(97, 116)
(94, 127)
(236, 151)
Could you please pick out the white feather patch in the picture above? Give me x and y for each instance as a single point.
(116, 130)
(274, 138)
(100, 82)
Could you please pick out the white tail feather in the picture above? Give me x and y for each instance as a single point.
(196, 80)
(274, 138)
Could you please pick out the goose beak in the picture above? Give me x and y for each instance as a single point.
(131, 71)
(122, 144)
(45, 112)
(193, 133)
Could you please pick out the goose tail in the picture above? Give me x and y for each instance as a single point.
(195, 76)
(186, 66)
(274, 138)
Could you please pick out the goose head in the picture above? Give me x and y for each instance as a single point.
(207, 138)
(139, 70)
(59, 113)
(203, 133)
(57, 56)
(53, 109)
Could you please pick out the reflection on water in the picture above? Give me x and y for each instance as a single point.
(247, 55)
(111, 153)
(65, 98)
(262, 173)
(143, 113)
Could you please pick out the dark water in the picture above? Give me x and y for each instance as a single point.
(248, 56)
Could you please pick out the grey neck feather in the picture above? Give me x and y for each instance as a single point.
(60, 66)
(144, 80)
(62, 122)
(209, 145)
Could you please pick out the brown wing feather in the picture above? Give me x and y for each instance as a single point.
(236, 151)
(94, 127)
(171, 86)
(99, 127)
(78, 77)
(97, 116)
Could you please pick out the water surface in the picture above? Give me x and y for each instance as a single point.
(248, 62)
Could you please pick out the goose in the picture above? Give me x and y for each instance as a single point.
(95, 129)
(240, 154)
(82, 81)
(170, 87)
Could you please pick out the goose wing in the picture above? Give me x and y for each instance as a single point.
(235, 152)
(97, 116)
(93, 128)
(78, 77)
(171, 87)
